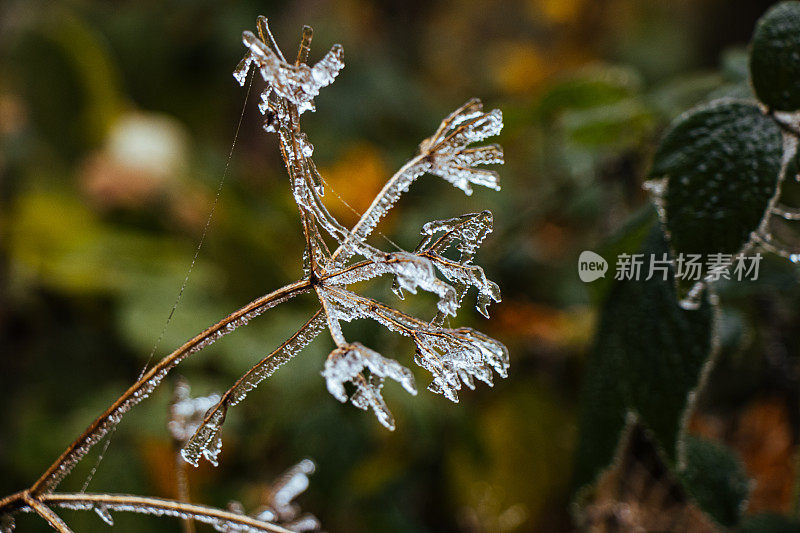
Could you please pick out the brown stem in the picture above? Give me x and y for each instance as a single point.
(139, 390)
(157, 506)
(45, 512)
(182, 484)
(305, 45)
(376, 202)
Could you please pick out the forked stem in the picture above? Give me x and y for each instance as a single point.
(45, 512)
(140, 390)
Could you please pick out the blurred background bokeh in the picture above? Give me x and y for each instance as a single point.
(116, 119)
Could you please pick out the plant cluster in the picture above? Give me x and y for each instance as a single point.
(442, 264)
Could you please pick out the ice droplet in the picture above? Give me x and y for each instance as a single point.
(103, 512)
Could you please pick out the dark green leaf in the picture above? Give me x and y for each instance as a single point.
(722, 163)
(775, 57)
(627, 240)
(716, 481)
(648, 359)
(618, 125)
(592, 87)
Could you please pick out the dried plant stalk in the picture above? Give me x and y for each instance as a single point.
(453, 356)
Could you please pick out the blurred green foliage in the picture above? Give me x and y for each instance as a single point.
(115, 124)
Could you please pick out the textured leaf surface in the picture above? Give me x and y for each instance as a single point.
(716, 480)
(775, 57)
(723, 163)
(648, 358)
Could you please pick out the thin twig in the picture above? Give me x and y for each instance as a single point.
(182, 484)
(376, 203)
(226, 397)
(157, 506)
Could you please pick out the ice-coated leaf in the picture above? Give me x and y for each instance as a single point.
(468, 231)
(298, 84)
(649, 358)
(775, 57)
(453, 356)
(347, 363)
(722, 164)
(447, 152)
(715, 480)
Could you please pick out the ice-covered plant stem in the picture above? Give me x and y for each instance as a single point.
(441, 264)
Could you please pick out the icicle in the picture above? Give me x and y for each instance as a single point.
(298, 84)
(468, 231)
(241, 70)
(206, 441)
(448, 354)
(346, 364)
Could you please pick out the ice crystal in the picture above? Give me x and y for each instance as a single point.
(453, 356)
(186, 413)
(468, 231)
(278, 506)
(298, 84)
(104, 514)
(347, 364)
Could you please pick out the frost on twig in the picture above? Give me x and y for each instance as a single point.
(468, 231)
(105, 504)
(279, 506)
(205, 440)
